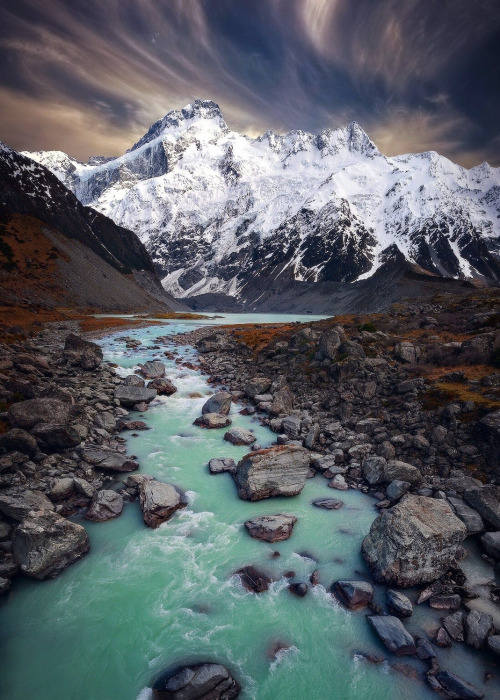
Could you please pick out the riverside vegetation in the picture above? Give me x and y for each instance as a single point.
(404, 406)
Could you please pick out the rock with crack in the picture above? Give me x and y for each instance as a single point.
(221, 464)
(271, 528)
(205, 681)
(275, 471)
(108, 460)
(18, 506)
(105, 505)
(159, 501)
(413, 542)
(45, 543)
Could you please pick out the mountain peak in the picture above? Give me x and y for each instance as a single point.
(199, 109)
(358, 139)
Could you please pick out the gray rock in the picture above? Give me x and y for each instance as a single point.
(401, 471)
(470, 518)
(219, 465)
(52, 436)
(19, 505)
(312, 437)
(256, 386)
(454, 625)
(107, 460)
(83, 487)
(353, 594)
(373, 469)
(84, 353)
(271, 528)
(399, 604)
(299, 589)
(338, 482)
(206, 681)
(493, 643)
(17, 439)
(329, 344)
(4, 585)
(491, 543)
(106, 421)
(152, 370)
(212, 421)
(134, 380)
(163, 386)
(62, 489)
(129, 396)
(253, 579)
(457, 688)
(328, 503)
(396, 489)
(239, 436)
(44, 544)
(413, 542)
(291, 427)
(486, 501)
(27, 414)
(445, 602)
(218, 403)
(325, 462)
(105, 505)
(282, 402)
(276, 471)
(406, 352)
(159, 501)
(392, 633)
(478, 627)
(425, 650)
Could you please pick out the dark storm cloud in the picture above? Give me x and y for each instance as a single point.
(86, 76)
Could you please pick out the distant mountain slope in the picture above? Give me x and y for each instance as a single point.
(219, 211)
(55, 250)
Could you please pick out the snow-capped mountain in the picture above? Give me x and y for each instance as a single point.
(216, 209)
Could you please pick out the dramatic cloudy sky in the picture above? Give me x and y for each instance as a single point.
(89, 76)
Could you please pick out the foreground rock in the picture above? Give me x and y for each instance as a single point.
(353, 594)
(455, 687)
(218, 403)
(159, 501)
(27, 414)
(130, 395)
(271, 528)
(205, 681)
(45, 543)
(239, 436)
(19, 505)
(414, 542)
(392, 633)
(276, 471)
(162, 386)
(212, 421)
(152, 370)
(253, 579)
(84, 353)
(18, 439)
(106, 504)
(487, 503)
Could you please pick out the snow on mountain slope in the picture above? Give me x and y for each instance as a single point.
(214, 207)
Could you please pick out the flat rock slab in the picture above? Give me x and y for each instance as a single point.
(218, 403)
(486, 501)
(45, 543)
(105, 505)
(159, 501)
(276, 471)
(392, 633)
(129, 396)
(212, 421)
(205, 681)
(108, 461)
(353, 594)
(328, 503)
(271, 528)
(239, 436)
(19, 505)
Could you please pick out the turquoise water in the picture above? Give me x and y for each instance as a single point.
(145, 599)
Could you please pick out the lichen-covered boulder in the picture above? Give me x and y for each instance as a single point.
(413, 542)
(276, 471)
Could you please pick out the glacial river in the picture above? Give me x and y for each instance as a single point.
(143, 599)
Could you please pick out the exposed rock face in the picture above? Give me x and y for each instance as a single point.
(152, 370)
(18, 505)
(212, 420)
(130, 395)
(159, 501)
(218, 403)
(391, 631)
(205, 681)
(253, 579)
(486, 501)
(18, 439)
(276, 471)
(240, 436)
(271, 528)
(45, 543)
(413, 542)
(353, 594)
(27, 414)
(106, 504)
(84, 353)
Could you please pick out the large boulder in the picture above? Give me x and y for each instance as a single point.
(56, 437)
(129, 395)
(406, 352)
(218, 403)
(204, 681)
(108, 460)
(45, 543)
(84, 353)
(377, 470)
(282, 401)
(329, 344)
(152, 370)
(163, 386)
(105, 505)
(276, 471)
(239, 436)
(413, 542)
(27, 414)
(212, 421)
(271, 528)
(478, 627)
(455, 687)
(19, 505)
(392, 633)
(256, 386)
(486, 501)
(353, 594)
(159, 501)
(133, 380)
(18, 440)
